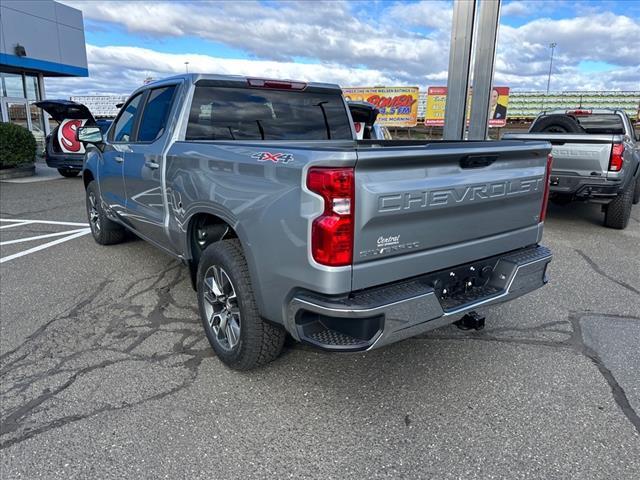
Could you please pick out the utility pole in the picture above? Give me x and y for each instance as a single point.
(458, 74)
(488, 20)
(552, 46)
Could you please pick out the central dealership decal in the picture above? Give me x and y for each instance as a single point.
(275, 157)
(67, 136)
(398, 105)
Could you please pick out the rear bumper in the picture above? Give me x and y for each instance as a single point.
(72, 161)
(380, 316)
(585, 188)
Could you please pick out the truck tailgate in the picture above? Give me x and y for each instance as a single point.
(424, 208)
(575, 154)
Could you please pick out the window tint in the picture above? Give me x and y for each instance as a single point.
(124, 125)
(609, 124)
(253, 114)
(155, 113)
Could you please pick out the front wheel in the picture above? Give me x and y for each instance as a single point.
(68, 172)
(241, 339)
(104, 230)
(618, 212)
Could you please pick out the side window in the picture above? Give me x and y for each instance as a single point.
(154, 116)
(124, 125)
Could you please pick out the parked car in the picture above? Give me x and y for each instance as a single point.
(62, 149)
(288, 224)
(596, 158)
(364, 115)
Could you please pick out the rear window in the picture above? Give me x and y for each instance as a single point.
(220, 113)
(607, 124)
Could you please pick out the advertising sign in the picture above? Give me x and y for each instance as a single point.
(437, 99)
(398, 105)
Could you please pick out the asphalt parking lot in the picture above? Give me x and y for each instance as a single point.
(106, 373)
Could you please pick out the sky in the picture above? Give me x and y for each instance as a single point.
(352, 43)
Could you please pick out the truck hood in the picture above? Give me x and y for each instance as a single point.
(65, 109)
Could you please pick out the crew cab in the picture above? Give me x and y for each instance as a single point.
(289, 224)
(596, 158)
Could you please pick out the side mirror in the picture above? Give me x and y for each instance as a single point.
(89, 135)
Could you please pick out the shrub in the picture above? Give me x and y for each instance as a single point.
(17, 145)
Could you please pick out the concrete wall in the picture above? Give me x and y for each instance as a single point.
(51, 33)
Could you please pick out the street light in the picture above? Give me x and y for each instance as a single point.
(552, 46)
(186, 66)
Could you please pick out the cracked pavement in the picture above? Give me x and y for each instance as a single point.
(105, 373)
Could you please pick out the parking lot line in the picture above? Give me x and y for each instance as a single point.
(40, 237)
(46, 222)
(17, 224)
(82, 232)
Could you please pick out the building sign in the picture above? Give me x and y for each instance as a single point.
(437, 99)
(398, 105)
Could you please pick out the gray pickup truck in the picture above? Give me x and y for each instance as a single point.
(288, 224)
(596, 158)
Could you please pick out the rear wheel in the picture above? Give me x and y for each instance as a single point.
(636, 194)
(68, 172)
(241, 339)
(618, 212)
(104, 231)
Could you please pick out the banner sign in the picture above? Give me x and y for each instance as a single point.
(437, 100)
(398, 105)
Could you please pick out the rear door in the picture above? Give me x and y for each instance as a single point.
(424, 208)
(143, 161)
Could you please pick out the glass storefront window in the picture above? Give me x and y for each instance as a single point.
(31, 82)
(18, 114)
(37, 123)
(13, 86)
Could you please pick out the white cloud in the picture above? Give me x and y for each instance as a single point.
(515, 9)
(116, 70)
(340, 48)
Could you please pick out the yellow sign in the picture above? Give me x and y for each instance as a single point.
(437, 100)
(398, 105)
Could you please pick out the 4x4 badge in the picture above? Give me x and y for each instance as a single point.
(277, 157)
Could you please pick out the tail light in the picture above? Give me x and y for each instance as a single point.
(617, 152)
(276, 84)
(547, 183)
(332, 232)
(579, 113)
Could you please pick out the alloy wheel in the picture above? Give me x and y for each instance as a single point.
(221, 307)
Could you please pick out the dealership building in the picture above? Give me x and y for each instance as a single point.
(38, 39)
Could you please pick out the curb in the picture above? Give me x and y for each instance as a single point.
(18, 172)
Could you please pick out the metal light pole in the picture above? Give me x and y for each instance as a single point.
(186, 66)
(552, 46)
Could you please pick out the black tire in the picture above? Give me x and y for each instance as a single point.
(618, 212)
(104, 231)
(258, 341)
(636, 193)
(557, 124)
(68, 172)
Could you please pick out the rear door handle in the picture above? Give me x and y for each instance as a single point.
(118, 159)
(151, 164)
